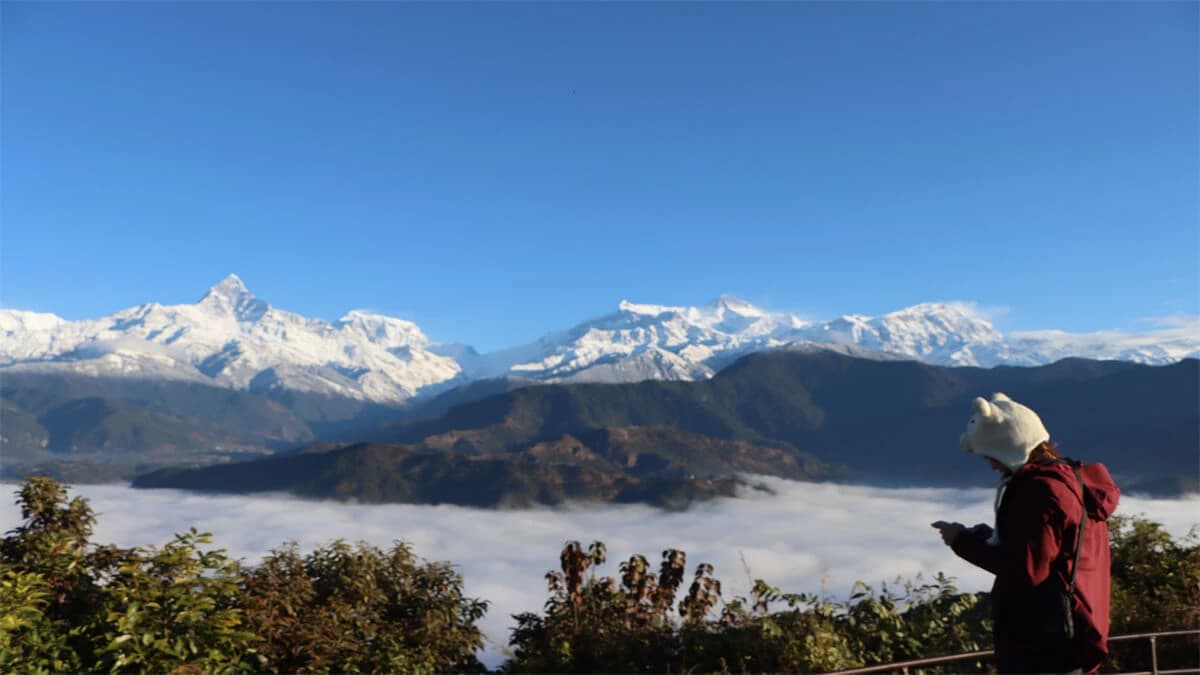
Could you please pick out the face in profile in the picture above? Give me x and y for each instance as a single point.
(997, 465)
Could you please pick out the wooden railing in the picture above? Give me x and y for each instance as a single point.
(904, 666)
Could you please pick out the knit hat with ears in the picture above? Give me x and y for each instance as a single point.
(1004, 430)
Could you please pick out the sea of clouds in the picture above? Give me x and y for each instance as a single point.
(807, 537)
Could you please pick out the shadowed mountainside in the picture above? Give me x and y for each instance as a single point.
(794, 413)
(104, 428)
(388, 473)
(884, 419)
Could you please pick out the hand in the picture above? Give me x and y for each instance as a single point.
(949, 531)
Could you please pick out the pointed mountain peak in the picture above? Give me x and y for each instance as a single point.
(231, 287)
(230, 295)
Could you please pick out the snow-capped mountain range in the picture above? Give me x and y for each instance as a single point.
(232, 338)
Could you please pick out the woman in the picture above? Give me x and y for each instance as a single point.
(1036, 549)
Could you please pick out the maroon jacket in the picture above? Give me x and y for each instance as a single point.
(1038, 522)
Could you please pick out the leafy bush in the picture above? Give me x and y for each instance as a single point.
(633, 624)
(1155, 587)
(51, 579)
(67, 604)
(353, 609)
(29, 638)
(176, 608)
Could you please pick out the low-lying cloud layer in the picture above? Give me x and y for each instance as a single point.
(805, 538)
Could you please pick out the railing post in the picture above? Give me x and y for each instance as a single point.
(1154, 654)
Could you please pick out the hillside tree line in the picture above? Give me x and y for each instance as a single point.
(70, 604)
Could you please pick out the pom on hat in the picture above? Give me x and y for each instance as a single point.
(1004, 430)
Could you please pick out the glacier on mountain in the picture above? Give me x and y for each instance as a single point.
(234, 339)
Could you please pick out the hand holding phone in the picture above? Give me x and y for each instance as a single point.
(949, 531)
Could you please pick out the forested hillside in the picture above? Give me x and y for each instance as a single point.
(801, 414)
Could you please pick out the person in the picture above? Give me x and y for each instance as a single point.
(1042, 502)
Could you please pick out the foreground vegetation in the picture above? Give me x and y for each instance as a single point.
(69, 604)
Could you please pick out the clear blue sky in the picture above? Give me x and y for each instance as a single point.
(493, 171)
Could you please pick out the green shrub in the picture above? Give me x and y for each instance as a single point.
(633, 624)
(1155, 587)
(67, 604)
(361, 609)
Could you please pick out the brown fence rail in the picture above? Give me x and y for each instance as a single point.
(904, 666)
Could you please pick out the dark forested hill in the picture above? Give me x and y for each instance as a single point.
(102, 428)
(392, 473)
(884, 419)
(794, 413)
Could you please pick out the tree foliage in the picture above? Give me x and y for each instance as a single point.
(632, 623)
(361, 609)
(638, 622)
(52, 582)
(1156, 587)
(68, 605)
(176, 608)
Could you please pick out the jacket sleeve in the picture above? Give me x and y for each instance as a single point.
(975, 549)
(1034, 521)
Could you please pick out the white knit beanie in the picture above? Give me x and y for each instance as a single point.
(1004, 430)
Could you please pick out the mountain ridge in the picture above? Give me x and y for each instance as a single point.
(797, 414)
(231, 338)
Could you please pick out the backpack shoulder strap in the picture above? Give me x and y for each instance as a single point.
(1083, 518)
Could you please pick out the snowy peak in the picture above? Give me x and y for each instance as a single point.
(949, 333)
(943, 322)
(731, 304)
(16, 320)
(646, 341)
(385, 331)
(948, 315)
(717, 309)
(231, 297)
(229, 289)
(944, 310)
(232, 338)
(628, 307)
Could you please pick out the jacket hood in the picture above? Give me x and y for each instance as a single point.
(1102, 493)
